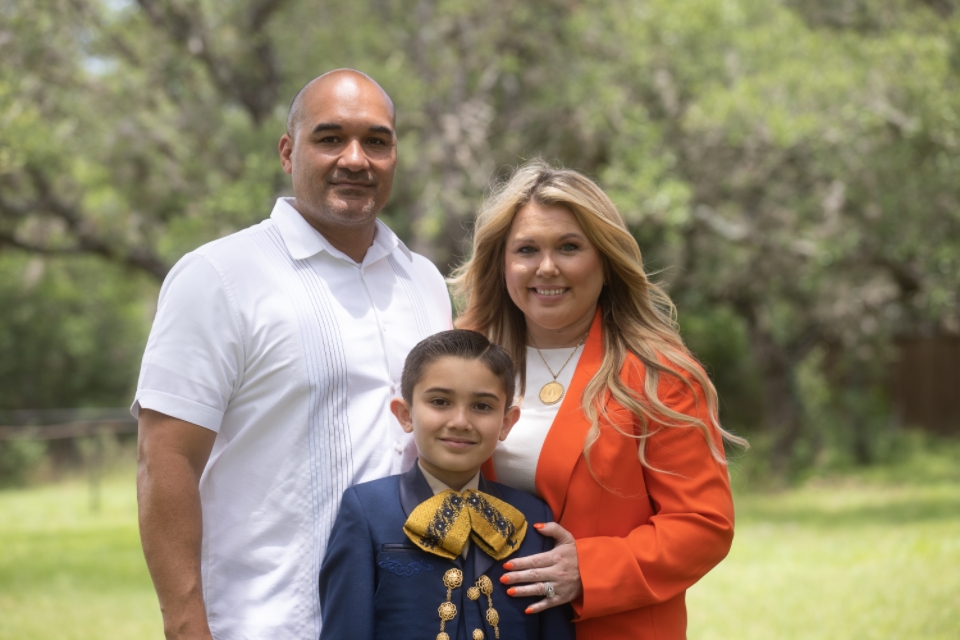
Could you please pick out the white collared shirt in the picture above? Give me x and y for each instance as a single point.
(291, 352)
(515, 459)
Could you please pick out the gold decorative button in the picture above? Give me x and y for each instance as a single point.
(473, 593)
(485, 585)
(453, 578)
(447, 611)
(477, 634)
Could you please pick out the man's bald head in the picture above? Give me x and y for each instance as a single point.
(327, 80)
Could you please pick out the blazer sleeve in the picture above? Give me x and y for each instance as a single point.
(692, 526)
(347, 575)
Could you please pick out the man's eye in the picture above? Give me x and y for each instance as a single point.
(330, 140)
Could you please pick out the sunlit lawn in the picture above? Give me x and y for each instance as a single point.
(842, 560)
(836, 562)
(69, 574)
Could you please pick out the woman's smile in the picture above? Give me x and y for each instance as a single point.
(553, 274)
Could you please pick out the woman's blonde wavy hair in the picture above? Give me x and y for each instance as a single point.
(637, 316)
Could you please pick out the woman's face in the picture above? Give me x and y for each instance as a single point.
(554, 274)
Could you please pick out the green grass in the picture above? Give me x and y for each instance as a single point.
(836, 561)
(71, 574)
(854, 558)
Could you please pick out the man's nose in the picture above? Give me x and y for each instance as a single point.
(353, 158)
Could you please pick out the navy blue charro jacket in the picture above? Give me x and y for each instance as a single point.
(376, 585)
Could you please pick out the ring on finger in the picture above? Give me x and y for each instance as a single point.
(548, 591)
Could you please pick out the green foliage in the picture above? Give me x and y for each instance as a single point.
(72, 332)
(17, 459)
(788, 167)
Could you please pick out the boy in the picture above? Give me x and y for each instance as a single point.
(419, 555)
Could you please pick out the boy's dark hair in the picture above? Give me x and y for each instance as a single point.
(459, 343)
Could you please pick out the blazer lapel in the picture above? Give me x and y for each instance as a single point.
(413, 489)
(563, 446)
(482, 561)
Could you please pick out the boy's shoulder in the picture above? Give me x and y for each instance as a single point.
(376, 487)
(526, 502)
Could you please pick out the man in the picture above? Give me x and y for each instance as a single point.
(266, 381)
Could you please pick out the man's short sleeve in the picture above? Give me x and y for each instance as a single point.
(193, 362)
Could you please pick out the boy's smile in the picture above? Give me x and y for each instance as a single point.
(457, 415)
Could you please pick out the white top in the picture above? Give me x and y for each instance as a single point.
(437, 485)
(291, 352)
(515, 459)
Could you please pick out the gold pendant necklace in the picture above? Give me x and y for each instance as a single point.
(552, 392)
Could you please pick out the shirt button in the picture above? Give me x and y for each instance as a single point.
(399, 449)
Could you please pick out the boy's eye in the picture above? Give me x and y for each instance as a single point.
(439, 402)
(483, 406)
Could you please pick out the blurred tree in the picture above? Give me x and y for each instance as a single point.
(789, 165)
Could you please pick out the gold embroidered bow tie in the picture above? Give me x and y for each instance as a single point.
(443, 524)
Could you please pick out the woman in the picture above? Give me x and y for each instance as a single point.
(618, 429)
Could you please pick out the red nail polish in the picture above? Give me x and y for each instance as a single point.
(528, 610)
(538, 525)
(511, 591)
(508, 566)
(504, 579)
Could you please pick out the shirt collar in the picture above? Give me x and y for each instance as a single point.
(438, 485)
(303, 241)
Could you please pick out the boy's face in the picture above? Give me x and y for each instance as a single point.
(457, 416)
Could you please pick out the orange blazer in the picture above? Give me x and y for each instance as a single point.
(649, 535)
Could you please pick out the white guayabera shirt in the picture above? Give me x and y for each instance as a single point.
(291, 352)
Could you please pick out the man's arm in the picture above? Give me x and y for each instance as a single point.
(171, 455)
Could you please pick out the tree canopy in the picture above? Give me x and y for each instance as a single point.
(788, 167)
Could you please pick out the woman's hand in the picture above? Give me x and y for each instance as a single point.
(559, 567)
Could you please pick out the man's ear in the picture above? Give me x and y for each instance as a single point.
(286, 150)
(400, 408)
(509, 419)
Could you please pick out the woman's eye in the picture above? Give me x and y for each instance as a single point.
(568, 247)
(526, 250)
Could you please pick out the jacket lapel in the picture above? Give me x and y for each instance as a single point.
(563, 446)
(413, 489)
(481, 561)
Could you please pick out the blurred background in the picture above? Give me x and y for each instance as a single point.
(789, 167)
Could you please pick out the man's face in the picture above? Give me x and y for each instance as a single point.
(343, 153)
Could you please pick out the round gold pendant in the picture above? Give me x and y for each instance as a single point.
(551, 393)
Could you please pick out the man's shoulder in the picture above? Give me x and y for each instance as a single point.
(234, 245)
(521, 500)
(224, 255)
